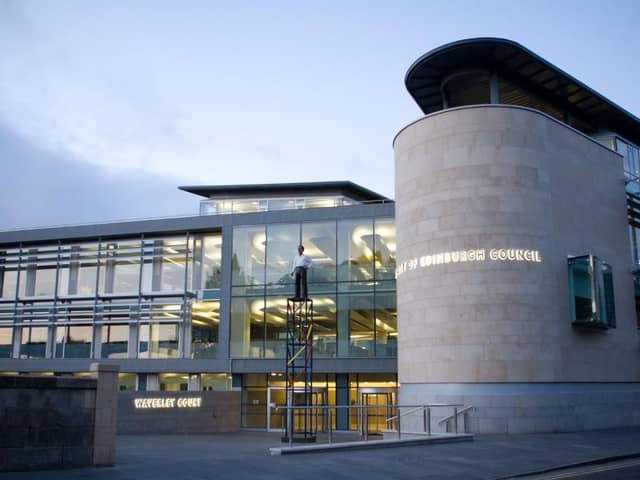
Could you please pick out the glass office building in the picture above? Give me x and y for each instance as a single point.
(199, 303)
(514, 271)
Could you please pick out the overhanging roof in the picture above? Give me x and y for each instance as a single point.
(305, 189)
(521, 66)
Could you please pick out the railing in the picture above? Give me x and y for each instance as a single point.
(321, 417)
(445, 421)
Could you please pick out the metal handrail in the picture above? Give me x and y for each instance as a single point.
(363, 408)
(395, 417)
(450, 417)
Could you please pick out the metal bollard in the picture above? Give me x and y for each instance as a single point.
(399, 432)
(455, 419)
(429, 420)
(330, 429)
(366, 424)
(424, 419)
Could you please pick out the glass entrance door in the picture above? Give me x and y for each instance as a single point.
(276, 417)
(378, 407)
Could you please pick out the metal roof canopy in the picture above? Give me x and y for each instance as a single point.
(272, 190)
(517, 64)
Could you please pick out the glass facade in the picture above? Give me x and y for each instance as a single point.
(247, 205)
(351, 282)
(263, 393)
(173, 297)
(90, 298)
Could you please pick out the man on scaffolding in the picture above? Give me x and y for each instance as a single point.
(301, 263)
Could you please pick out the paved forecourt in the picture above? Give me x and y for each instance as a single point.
(245, 455)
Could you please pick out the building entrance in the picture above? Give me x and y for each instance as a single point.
(277, 397)
(379, 405)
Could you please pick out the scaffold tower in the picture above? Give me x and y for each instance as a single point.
(299, 370)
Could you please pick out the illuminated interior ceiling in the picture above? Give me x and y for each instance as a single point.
(319, 247)
(205, 314)
(518, 65)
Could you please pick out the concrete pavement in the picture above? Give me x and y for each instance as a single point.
(245, 455)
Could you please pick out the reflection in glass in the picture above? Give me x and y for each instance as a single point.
(73, 341)
(248, 259)
(385, 249)
(45, 280)
(254, 408)
(78, 269)
(120, 267)
(355, 250)
(386, 321)
(164, 268)
(591, 296)
(324, 326)
(282, 243)
(355, 323)
(5, 342)
(9, 284)
(33, 342)
(158, 340)
(276, 327)
(205, 319)
(115, 341)
(247, 327)
(319, 240)
(212, 261)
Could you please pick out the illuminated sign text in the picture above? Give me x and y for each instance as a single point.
(474, 255)
(179, 402)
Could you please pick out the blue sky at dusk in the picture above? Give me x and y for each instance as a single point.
(105, 107)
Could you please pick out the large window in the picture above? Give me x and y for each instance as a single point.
(158, 340)
(320, 243)
(115, 341)
(247, 327)
(591, 292)
(165, 263)
(351, 281)
(5, 342)
(205, 320)
(73, 341)
(248, 258)
(9, 261)
(120, 267)
(355, 250)
(78, 271)
(282, 241)
(33, 342)
(115, 282)
(212, 261)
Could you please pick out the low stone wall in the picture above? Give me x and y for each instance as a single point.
(178, 412)
(57, 422)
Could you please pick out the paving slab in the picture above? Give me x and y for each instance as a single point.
(245, 455)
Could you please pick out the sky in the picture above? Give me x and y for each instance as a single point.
(107, 106)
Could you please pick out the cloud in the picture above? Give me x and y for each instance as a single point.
(45, 188)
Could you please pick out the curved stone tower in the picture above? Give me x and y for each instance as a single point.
(491, 200)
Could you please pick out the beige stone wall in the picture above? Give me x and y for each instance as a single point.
(507, 177)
